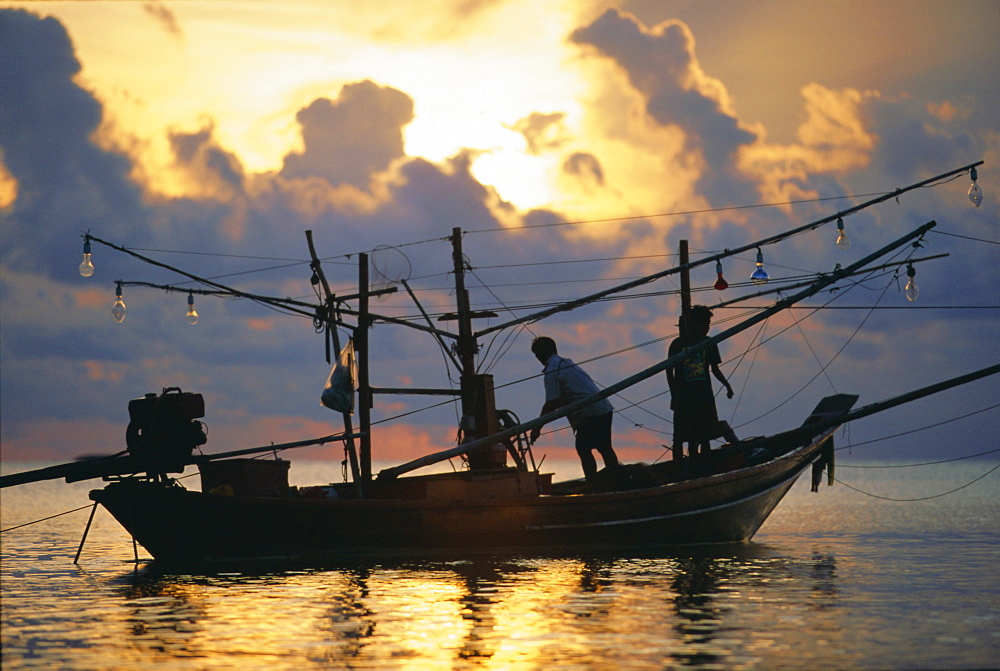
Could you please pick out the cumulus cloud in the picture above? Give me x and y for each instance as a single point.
(661, 65)
(65, 184)
(215, 172)
(586, 168)
(348, 139)
(542, 131)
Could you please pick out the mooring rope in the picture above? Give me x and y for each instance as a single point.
(44, 519)
(922, 498)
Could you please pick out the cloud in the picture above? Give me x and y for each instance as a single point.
(215, 172)
(64, 182)
(661, 65)
(349, 139)
(542, 131)
(165, 17)
(586, 168)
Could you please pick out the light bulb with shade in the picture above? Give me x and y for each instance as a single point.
(192, 314)
(975, 193)
(86, 266)
(118, 309)
(760, 275)
(720, 284)
(911, 290)
(843, 242)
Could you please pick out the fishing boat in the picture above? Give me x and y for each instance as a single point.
(499, 501)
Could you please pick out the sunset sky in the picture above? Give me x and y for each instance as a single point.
(576, 141)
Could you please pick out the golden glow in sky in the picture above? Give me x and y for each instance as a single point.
(476, 70)
(247, 71)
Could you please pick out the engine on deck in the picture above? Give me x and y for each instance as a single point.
(163, 429)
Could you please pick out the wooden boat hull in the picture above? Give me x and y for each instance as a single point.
(178, 525)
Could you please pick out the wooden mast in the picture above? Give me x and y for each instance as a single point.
(478, 401)
(331, 330)
(685, 287)
(364, 386)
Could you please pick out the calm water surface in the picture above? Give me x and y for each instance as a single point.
(835, 580)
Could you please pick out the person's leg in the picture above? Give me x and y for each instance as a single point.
(584, 448)
(602, 437)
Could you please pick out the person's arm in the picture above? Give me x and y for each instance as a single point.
(671, 374)
(722, 378)
(548, 407)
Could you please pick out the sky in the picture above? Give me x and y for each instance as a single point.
(575, 143)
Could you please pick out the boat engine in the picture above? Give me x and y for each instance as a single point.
(163, 429)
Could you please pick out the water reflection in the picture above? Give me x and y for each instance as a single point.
(487, 613)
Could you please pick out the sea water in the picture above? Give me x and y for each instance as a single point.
(836, 579)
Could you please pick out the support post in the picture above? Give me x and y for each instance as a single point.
(76, 559)
(331, 330)
(478, 405)
(685, 286)
(364, 387)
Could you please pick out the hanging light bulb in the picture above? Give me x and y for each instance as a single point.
(192, 314)
(760, 275)
(975, 193)
(721, 284)
(86, 266)
(843, 242)
(911, 290)
(118, 309)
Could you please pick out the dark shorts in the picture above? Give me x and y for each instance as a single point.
(594, 433)
(696, 422)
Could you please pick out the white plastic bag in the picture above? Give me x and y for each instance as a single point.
(338, 394)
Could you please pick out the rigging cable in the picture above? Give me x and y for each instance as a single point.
(834, 357)
(925, 463)
(50, 517)
(923, 428)
(921, 498)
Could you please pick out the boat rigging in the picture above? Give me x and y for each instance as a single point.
(246, 510)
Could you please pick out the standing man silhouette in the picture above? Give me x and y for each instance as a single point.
(696, 420)
(565, 382)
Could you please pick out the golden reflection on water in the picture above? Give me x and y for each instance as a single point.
(800, 599)
(511, 614)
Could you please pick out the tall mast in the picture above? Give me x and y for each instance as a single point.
(478, 401)
(364, 387)
(331, 331)
(466, 341)
(685, 287)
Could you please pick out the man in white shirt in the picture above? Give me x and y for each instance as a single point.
(565, 382)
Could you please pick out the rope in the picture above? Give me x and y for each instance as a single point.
(926, 463)
(922, 498)
(51, 517)
(923, 428)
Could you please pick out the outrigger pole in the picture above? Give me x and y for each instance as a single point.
(814, 288)
(123, 464)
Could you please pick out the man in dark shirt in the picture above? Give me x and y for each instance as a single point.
(696, 421)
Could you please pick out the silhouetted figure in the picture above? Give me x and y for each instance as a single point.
(565, 382)
(696, 421)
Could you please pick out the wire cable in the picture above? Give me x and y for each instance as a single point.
(50, 517)
(919, 498)
(923, 428)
